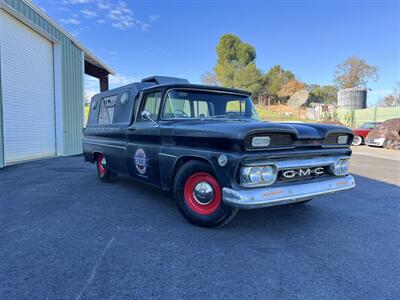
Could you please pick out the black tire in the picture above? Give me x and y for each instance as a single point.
(211, 214)
(103, 172)
(357, 140)
(385, 144)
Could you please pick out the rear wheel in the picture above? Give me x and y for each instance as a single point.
(199, 196)
(357, 140)
(103, 172)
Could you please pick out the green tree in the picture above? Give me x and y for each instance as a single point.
(289, 88)
(275, 79)
(326, 94)
(236, 66)
(354, 72)
(249, 78)
(209, 78)
(392, 100)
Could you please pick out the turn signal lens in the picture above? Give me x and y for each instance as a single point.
(342, 139)
(260, 141)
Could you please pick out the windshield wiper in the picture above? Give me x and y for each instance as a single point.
(218, 116)
(223, 117)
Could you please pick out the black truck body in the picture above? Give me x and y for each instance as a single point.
(153, 147)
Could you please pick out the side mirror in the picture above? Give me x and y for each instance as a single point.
(146, 115)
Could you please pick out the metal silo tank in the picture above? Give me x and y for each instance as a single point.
(352, 98)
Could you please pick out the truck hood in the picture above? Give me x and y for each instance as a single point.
(240, 129)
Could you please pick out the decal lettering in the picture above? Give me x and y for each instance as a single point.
(109, 102)
(306, 172)
(319, 171)
(289, 174)
(141, 161)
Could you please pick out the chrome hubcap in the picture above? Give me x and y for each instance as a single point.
(203, 193)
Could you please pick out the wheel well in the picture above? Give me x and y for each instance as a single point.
(183, 160)
(95, 154)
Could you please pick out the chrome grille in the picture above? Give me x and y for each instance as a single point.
(286, 140)
(277, 140)
(332, 139)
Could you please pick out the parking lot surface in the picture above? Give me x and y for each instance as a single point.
(64, 234)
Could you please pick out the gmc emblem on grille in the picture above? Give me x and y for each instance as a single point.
(292, 173)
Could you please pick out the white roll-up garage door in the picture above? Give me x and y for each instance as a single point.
(27, 76)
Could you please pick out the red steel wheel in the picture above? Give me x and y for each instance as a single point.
(101, 163)
(202, 193)
(104, 173)
(199, 195)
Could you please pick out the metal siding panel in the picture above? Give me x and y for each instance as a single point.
(73, 96)
(28, 91)
(72, 78)
(1, 114)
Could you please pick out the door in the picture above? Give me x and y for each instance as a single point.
(28, 92)
(144, 142)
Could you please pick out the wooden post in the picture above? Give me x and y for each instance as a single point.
(103, 83)
(99, 73)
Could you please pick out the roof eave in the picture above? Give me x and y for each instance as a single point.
(88, 53)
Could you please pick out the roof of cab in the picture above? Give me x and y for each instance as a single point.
(169, 82)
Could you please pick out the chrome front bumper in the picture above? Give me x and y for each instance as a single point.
(374, 143)
(267, 196)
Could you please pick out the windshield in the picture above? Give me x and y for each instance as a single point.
(183, 104)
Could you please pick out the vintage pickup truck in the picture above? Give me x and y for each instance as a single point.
(208, 147)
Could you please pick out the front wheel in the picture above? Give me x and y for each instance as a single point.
(357, 140)
(199, 196)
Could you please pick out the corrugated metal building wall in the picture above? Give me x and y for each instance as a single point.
(72, 79)
(2, 163)
(71, 60)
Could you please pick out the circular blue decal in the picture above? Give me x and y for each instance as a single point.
(141, 161)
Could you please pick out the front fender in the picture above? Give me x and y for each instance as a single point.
(171, 161)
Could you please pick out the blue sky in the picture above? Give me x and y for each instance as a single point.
(178, 38)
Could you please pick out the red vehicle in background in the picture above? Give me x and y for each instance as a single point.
(361, 133)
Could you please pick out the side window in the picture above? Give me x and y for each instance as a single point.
(201, 109)
(107, 107)
(136, 107)
(177, 108)
(235, 107)
(152, 104)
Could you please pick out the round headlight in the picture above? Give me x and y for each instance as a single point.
(255, 175)
(337, 168)
(345, 166)
(341, 167)
(268, 174)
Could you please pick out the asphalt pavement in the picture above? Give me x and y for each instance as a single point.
(66, 235)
